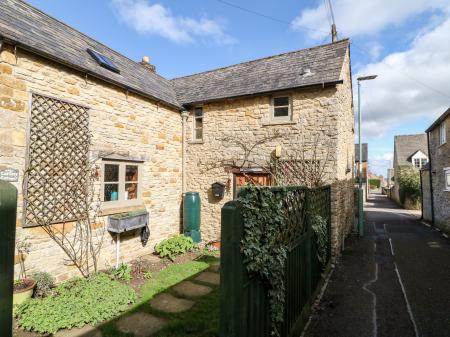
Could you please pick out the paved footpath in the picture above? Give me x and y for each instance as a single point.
(393, 282)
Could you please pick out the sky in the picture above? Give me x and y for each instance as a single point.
(405, 43)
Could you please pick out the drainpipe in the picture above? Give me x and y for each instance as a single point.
(184, 117)
(431, 179)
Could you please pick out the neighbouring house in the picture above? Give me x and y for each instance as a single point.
(409, 151)
(364, 162)
(389, 176)
(364, 166)
(68, 102)
(436, 179)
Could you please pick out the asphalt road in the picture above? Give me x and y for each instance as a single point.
(393, 282)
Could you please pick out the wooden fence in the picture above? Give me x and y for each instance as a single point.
(244, 307)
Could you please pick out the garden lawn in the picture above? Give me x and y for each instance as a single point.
(200, 321)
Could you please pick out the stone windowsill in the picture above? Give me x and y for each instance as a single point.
(196, 142)
(271, 123)
(104, 211)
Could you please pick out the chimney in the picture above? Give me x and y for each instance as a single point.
(146, 64)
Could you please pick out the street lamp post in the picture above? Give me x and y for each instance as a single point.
(360, 191)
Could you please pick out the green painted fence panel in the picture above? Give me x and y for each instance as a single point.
(244, 308)
(8, 209)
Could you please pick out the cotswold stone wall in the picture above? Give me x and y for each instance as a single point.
(440, 159)
(120, 123)
(321, 116)
(426, 195)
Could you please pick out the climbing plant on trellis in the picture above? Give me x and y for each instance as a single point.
(59, 182)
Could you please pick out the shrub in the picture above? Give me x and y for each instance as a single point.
(44, 283)
(175, 246)
(123, 272)
(76, 303)
(409, 181)
(376, 183)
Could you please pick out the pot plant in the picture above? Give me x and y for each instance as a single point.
(23, 286)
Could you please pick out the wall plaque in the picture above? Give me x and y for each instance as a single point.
(9, 174)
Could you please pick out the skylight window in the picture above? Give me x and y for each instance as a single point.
(103, 60)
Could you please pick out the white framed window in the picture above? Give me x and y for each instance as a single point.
(281, 108)
(447, 179)
(121, 183)
(442, 133)
(420, 162)
(197, 127)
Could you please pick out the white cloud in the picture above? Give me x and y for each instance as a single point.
(362, 17)
(156, 19)
(375, 49)
(411, 85)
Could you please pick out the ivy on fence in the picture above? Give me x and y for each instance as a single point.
(264, 254)
(274, 219)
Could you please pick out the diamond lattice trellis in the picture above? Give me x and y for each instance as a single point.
(58, 162)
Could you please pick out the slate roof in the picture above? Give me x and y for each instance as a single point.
(33, 30)
(439, 120)
(319, 65)
(364, 152)
(407, 145)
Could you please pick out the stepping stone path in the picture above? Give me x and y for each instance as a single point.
(86, 331)
(171, 304)
(215, 268)
(191, 289)
(209, 277)
(141, 324)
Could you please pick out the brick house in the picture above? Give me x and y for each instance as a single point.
(437, 186)
(59, 87)
(409, 150)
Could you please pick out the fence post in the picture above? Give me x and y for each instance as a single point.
(8, 209)
(231, 271)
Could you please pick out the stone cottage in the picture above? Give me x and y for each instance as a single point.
(437, 186)
(409, 150)
(297, 101)
(74, 111)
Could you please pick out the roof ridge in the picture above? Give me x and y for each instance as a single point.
(411, 134)
(260, 59)
(80, 32)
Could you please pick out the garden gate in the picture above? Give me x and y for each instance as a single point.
(244, 305)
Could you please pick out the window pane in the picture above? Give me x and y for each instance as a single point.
(131, 191)
(198, 112)
(198, 134)
(111, 172)
(417, 162)
(131, 173)
(111, 192)
(281, 112)
(281, 101)
(198, 123)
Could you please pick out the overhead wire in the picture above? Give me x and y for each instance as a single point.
(230, 4)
